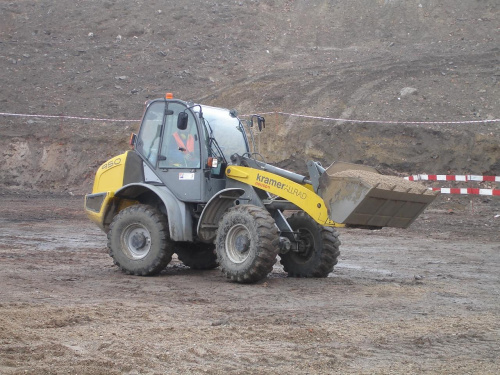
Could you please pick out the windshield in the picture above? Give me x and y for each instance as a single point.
(226, 130)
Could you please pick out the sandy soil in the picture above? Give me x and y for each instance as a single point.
(421, 300)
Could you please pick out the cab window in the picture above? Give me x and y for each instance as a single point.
(149, 135)
(180, 148)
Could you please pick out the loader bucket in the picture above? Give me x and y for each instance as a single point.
(359, 195)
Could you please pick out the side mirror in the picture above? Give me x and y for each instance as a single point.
(182, 121)
(261, 122)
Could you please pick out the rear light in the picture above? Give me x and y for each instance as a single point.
(132, 140)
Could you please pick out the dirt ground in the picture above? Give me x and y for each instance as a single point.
(421, 300)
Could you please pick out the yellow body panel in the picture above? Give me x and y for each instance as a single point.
(108, 179)
(109, 176)
(98, 217)
(301, 195)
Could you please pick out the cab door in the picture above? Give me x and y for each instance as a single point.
(173, 154)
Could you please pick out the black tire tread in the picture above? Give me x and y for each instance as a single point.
(162, 259)
(326, 257)
(198, 256)
(268, 244)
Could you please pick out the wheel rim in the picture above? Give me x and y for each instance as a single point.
(136, 241)
(306, 246)
(238, 243)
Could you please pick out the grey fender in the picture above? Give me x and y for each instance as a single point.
(214, 210)
(179, 219)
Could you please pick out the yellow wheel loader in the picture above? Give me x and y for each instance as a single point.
(192, 186)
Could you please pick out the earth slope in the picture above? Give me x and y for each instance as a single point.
(385, 60)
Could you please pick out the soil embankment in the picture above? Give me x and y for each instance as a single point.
(382, 60)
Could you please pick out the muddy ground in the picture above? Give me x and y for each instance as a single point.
(422, 300)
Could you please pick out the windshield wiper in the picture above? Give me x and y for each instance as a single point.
(213, 142)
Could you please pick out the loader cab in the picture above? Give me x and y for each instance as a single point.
(186, 147)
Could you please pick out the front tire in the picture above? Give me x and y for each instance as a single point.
(318, 248)
(247, 243)
(139, 241)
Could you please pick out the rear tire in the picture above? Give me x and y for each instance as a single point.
(198, 256)
(319, 248)
(247, 243)
(139, 241)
